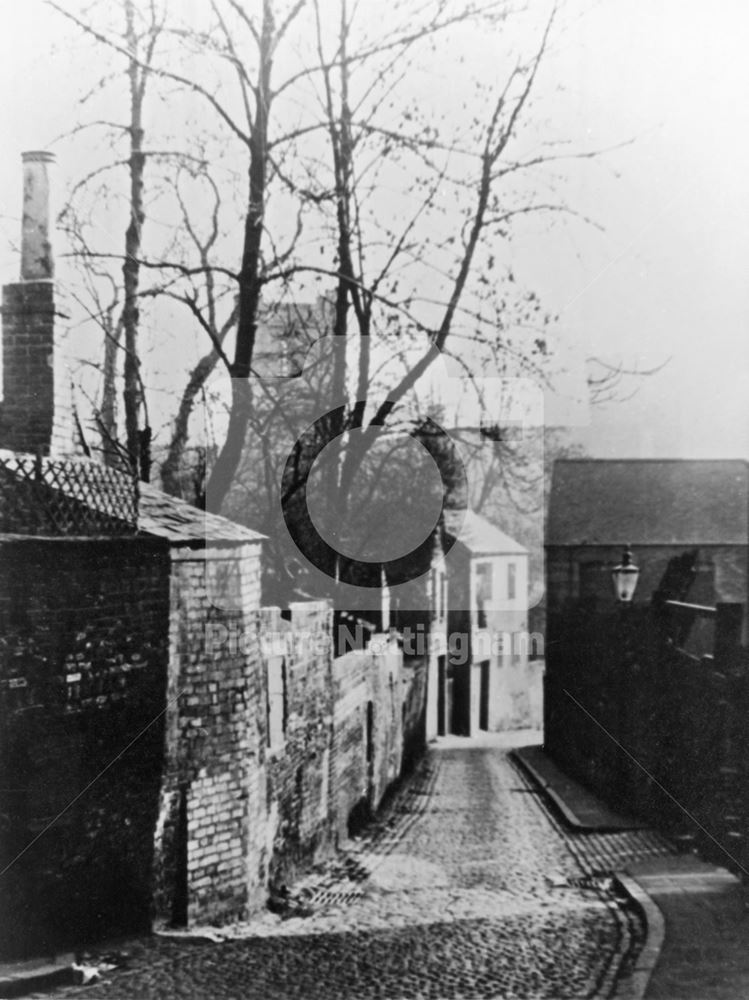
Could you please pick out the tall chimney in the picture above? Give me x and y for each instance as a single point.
(35, 415)
(36, 249)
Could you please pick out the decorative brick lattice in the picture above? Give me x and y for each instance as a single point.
(40, 496)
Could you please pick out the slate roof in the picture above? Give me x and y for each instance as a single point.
(480, 537)
(182, 524)
(649, 502)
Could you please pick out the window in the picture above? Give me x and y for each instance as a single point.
(511, 581)
(483, 582)
(483, 590)
(277, 710)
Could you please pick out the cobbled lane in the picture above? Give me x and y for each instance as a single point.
(468, 888)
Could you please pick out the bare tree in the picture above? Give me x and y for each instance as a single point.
(311, 98)
(139, 34)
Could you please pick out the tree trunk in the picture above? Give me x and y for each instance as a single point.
(230, 457)
(131, 267)
(170, 469)
(108, 413)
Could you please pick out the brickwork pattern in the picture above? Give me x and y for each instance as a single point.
(298, 771)
(82, 692)
(36, 412)
(342, 748)
(368, 738)
(210, 843)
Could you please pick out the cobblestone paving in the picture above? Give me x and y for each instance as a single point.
(468, 888)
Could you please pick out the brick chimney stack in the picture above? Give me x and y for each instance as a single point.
(35, 415)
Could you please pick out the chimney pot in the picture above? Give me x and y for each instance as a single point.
(36, 247)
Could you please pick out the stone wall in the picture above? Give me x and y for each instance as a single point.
(82, 695)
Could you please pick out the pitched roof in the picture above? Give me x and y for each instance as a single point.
(78, 496)
(480, 536)
(648, 502)
(182, 524)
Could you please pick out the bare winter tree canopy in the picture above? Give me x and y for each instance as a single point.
(364, 367)
(284, 171)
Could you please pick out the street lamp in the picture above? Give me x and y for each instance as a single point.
(624, 577)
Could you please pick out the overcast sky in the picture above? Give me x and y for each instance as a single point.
(667, 275)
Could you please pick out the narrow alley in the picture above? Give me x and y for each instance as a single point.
(466, 887)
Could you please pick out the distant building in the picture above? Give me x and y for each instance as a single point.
(663, 508)
(285, 333)
(479, 682)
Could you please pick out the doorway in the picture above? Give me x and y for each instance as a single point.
(441, 696)
(484, 696)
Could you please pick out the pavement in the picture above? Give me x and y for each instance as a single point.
(475, 883)
(697, 912)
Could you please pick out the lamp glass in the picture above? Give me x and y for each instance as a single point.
(624, 577)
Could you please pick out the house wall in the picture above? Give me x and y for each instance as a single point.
(82, 693)
(515, 695)
(655, 731)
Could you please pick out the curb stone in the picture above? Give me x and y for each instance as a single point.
(635, 984)
(601, 819)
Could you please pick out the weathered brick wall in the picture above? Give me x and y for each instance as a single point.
(368, 729)
(130, 646)
(298, 766)
(342, 743)
(210, 842)
(82, 693)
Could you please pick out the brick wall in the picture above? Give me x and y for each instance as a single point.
(342, 743)
(137, 718)
(299, 761)
(210, 839)
(82, 692)
(368, 730)
(35, 414)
